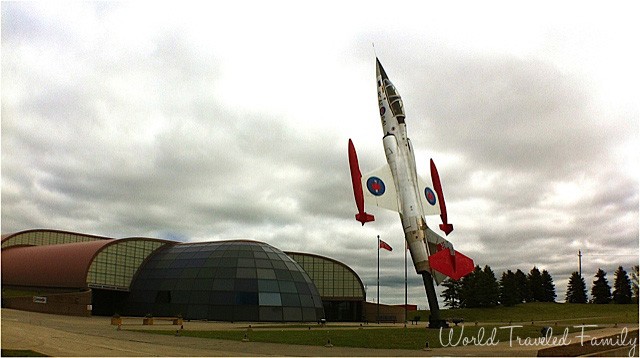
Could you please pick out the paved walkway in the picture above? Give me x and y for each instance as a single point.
(94, 336)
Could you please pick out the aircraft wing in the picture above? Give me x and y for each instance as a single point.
(444, 260)
(430, 203)
(379, 189)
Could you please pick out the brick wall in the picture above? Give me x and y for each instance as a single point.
(71, 303)
(387, 313)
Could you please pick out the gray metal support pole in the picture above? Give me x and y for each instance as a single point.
(405, 283)
(378, 306)
(432, 298)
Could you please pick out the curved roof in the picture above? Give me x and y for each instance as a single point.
(237, 280)
(115, 265)
(76, 264)
(63, 265)
(334, 279)
(46, 237)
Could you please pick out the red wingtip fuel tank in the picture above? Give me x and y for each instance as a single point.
(356, 181)
(445, 226)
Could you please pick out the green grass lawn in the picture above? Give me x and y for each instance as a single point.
(565, 313)
(491, 319)
(21, 353)
(371, 337)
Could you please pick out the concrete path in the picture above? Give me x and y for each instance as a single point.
(94, 336)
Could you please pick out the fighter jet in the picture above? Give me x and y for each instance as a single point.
(396, 186)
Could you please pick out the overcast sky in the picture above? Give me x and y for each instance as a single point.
(230, 120)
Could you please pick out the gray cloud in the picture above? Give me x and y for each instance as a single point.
(117, 138)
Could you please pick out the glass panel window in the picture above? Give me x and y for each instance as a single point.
(226, 272)
(222, 298)
(246, 272)
(228, 262)
(199, 297)
(290, 299)
(246, 285)
(263, 264)
(297, 276)
(246, 262)
(223, 284)
(268, 286)
(291, 314)
(260, 255)
(271, 313)
(206, 272)
(266, 274)
(270, 299)
(306, 301)
(288, 286)
(246, 298)
(284, 275)
(183, 285)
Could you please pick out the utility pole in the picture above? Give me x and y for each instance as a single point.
(580, 263)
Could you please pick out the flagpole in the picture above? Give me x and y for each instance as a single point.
(378, 306)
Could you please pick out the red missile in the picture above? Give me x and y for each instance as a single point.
(445, 226)
(356, 180)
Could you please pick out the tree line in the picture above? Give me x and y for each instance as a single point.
(625, 290)
(481, 288)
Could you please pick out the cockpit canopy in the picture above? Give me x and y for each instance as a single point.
(395, 102)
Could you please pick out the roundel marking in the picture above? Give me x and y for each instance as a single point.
(430, 195)
(375, 186)
(382, 110)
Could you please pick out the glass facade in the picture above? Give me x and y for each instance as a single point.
(226, 281)
(341, 290)
(333, 279)
(46, 237)
(114, 266)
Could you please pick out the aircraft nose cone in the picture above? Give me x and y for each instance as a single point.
(380, 70)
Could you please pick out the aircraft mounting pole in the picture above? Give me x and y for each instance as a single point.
(378, 305)
(432, 298)
(405, 283)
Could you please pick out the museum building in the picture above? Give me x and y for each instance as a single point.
(236, 280)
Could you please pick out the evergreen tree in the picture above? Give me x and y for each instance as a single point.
(577, 289)
(451, 294)
(522, 289)
(634, 283)
(479, 289)
(489, 288)
(601, 291)
(548, 288)
(469, 289)
(621, 287)
(534, 284)
(508, 289)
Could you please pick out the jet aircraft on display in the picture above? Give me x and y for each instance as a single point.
(396, 186)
